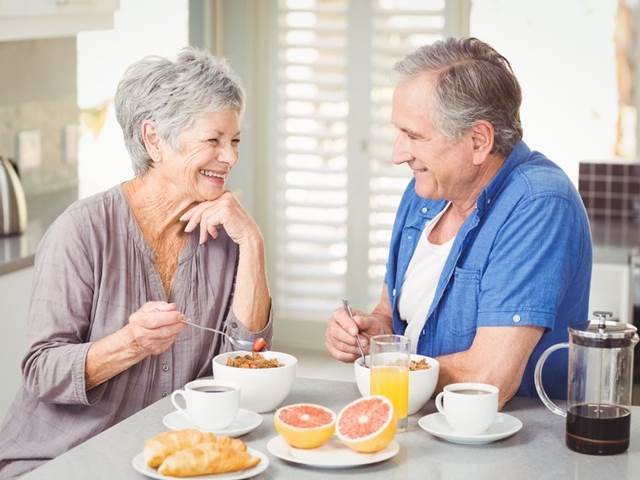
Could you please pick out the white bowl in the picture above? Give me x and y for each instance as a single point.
(261, 389)
(422, 383)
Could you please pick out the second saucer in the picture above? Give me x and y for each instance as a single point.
(245, 421)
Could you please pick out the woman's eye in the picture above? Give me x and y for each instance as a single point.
(213, 141)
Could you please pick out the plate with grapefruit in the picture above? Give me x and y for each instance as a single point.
(362, 433)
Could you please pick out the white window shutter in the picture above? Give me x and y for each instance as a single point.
(333, 216)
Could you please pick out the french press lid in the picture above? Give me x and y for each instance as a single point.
(603, 333)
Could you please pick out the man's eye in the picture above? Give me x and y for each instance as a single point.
(235, 141)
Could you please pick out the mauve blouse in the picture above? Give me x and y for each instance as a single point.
(93, 269)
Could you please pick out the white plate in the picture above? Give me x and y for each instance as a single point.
(504, 426)
(245, 421)
(332, 454)
(141, 466)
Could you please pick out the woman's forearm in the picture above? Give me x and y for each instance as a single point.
(110, 356)
(251, 300)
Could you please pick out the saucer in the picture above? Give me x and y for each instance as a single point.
(503, 426)
(245, 421)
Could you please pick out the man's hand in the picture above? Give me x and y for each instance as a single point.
(340, 335)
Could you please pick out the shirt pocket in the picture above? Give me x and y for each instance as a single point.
(460, 309)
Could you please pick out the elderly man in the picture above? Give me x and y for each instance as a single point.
(490, 255)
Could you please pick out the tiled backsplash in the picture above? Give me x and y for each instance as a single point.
(611, 191)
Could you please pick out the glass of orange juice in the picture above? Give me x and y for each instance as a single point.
(390, 373)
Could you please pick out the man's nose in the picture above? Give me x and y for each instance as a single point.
(401, 152)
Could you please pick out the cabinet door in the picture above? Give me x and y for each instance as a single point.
(15, 293)
(611, 290)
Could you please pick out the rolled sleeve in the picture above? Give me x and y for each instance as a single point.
(239, 331)
(531, 265)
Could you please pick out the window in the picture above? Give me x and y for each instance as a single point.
(334, 189)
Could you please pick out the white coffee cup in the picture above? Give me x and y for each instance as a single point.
(210, 404)
(470, 408)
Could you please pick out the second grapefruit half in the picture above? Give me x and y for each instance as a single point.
(367, 424)
(305, 425)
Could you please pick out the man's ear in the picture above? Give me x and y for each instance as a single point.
(151, 140)
(482, 138)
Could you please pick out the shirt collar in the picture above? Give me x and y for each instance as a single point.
(518, 155)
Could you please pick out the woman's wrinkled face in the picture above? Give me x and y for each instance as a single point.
(208, 151)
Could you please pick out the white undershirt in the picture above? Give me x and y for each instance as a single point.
(420, 281)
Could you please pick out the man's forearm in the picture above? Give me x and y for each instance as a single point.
(251, 300)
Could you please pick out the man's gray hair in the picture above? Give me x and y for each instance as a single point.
(172, 95)
(474, 82)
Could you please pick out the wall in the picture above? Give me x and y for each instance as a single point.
(38, 91)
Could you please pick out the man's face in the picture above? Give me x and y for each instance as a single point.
(443, 169)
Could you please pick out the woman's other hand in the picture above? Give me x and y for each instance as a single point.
(154, 327)
(225, 211)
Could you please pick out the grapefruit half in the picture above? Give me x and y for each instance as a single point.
(305, 425)
(367, 424)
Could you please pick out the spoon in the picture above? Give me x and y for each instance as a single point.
(246, 345)
(347, 308)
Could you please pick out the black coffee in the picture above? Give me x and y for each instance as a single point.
(598, 429)
(212, 389)
(471, 391)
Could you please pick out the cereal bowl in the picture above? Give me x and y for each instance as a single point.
(261, 389)
(422, 383)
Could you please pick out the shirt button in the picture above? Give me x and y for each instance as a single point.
(165, 367)
(516, 318)
(164, 394)
(393, 292)
(410, 237)
(234, 325)
(424, 210)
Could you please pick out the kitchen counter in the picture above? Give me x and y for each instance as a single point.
(18, 251)
(613, 242)
(537, 451)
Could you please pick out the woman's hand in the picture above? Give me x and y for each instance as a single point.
(154, 327)
(227, 212)
(340, 335)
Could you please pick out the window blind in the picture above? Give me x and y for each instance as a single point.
(312, 188)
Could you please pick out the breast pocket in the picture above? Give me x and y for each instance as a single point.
(459, 308)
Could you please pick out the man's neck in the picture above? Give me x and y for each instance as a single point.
(462, 207)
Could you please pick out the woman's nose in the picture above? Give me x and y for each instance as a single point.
(228, 155)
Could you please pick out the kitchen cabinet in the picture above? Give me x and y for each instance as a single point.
(15, 293)
(31, 19)
(611, 290)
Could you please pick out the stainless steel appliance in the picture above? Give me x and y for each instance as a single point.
(13, 206)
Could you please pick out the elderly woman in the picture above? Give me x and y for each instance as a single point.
(117, 274)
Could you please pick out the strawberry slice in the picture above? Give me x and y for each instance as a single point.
(259, 344)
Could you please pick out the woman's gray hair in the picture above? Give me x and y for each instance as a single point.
(172, 95)
(474, 82)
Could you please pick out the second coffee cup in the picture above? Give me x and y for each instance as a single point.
(470, 408)
(210, 404)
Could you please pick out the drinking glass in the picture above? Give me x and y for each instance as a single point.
(390, 356)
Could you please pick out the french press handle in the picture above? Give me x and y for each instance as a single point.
(537, 377)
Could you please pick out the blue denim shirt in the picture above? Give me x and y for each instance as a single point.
(523, 257)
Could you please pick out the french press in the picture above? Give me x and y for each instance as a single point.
(599, 387)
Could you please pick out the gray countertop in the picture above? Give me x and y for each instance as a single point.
(613, 241)
(537, 451)
(18, 251)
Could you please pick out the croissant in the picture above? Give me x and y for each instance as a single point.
(157, 448)
(206, 458)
